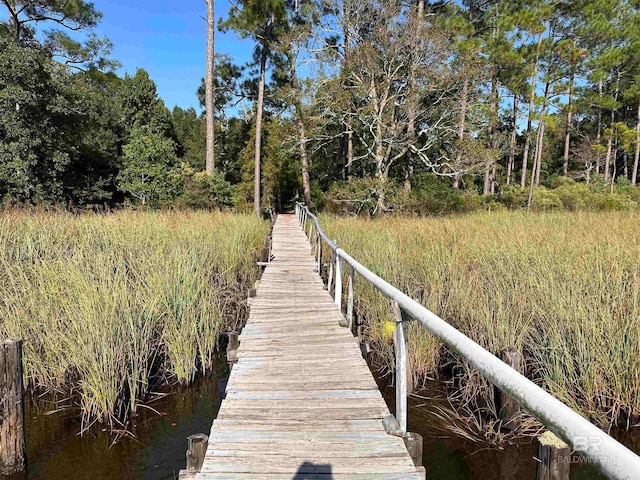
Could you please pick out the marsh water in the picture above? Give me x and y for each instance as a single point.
(155, 447)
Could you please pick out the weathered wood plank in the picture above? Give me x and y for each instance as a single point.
(301, 401)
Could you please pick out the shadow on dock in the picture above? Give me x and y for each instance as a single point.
(311, 471)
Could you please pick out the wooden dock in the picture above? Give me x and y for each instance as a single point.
(301, 402)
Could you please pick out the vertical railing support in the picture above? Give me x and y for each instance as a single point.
(330, 279)
(338, 289)
(319, 252)
(400, 347)
(350, 298)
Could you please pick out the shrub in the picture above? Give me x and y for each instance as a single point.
(361, 196)
(574, 196)
(202, 190)
(612, 201)
(545, 200)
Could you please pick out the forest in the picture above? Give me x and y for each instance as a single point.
(356, 107)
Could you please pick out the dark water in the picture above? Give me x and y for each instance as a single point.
(447, 457)
(154, 450)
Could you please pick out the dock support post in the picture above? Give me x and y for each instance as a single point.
(414, 444)
(338, 290)
(554, 458)
(196, 452)
(350, 298)
(12, 450)
(509, 408)
(232, 348)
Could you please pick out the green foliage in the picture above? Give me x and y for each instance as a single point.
(360, 197)
(202, 190)
(37, 113)
(148, 171)
(25, 16)
(431, 194)
(545, 200)
(141, 107)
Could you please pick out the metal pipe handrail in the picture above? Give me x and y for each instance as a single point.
(613, 458)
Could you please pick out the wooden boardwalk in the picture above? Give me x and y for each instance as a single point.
(301, 402)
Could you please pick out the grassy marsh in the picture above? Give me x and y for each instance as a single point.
(561, 288)
(111, 305)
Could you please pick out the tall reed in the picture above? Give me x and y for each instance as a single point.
(563, 289)
(111, 305)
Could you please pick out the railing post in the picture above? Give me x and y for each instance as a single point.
(350, 298)
(400, 347)
(330, 279)
(338, 289)
(319, 252)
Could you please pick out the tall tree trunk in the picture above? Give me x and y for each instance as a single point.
(258, 144)
(209, 87)
(610, 141)
(599, 128)
(636, 155)
(348, 132)
(567, 130)
(512, 141)
(461, 123)
(14, 21)
(540, 134)
(532, 96)
(537, 157)
(304, 163)
(490, 172)
(413, 103)
(607, 157)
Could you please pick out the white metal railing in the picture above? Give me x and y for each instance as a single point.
(613, 458)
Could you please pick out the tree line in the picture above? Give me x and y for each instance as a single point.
(381, 105)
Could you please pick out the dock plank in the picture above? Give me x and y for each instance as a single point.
(301, 401)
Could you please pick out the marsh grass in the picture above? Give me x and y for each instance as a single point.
(563, 289)
(110, 306)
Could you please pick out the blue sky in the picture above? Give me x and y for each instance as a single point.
(168, 39)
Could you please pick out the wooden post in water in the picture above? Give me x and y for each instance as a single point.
(196, 452)
(12, 447)
(554, 458)
(232, 348)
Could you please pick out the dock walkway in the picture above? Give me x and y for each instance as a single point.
(301, 402)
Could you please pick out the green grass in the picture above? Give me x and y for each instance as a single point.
(111, 305)
(563, 289)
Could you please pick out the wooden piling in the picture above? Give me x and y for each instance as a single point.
(554, 458)
(509, 408)
(196, 452)
(12, 448)
(232, 348)
(414, 443)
